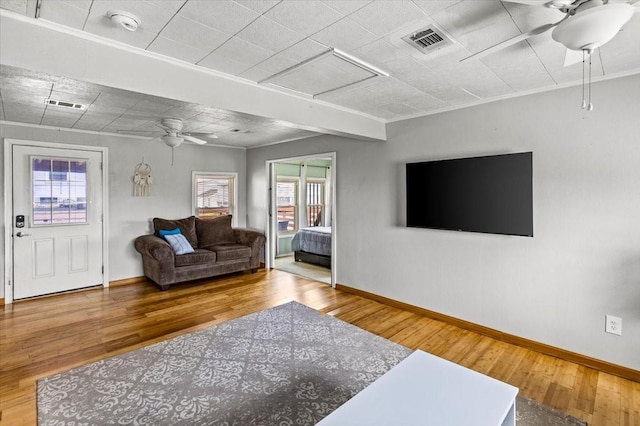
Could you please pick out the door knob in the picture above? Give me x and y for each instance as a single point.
(20, 234)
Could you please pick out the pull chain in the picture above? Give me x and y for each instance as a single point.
(584, 102)
(590, 107)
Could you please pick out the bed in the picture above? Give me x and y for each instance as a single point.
(313, 245)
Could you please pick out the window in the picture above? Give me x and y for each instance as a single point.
(315, 202)
(287, 204)
(213, 194)
(58, 191)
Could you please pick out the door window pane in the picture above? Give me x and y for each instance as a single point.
(59, 191)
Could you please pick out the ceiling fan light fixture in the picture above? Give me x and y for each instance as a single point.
(171, 140)
(125, 20)
(594, 27)
(558, 4)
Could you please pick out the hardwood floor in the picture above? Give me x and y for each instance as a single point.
(43, 336)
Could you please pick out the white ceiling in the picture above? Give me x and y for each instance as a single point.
(252, 40)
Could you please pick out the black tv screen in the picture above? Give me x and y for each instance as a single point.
(492, 194)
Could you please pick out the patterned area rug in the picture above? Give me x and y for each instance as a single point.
(288, 365)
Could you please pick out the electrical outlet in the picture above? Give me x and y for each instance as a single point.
(613, 325)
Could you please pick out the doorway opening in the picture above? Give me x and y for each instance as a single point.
(301, 221)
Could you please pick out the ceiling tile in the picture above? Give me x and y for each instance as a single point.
(379, 52)
(304, 17)
(346, 7)
(94, 121)
(260, 6)
(345, 35)
(303, 50)
(223, 64)
(18, 6)
(59, 119)
(174, 49)
(384, 16)
(236, 16)
(520, 68)
(268, 67)
(23, 113)
(194, 34)
(435, 6)
(269, 35)
(70, 14)
(243, 52)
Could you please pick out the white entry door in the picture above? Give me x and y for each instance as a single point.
(57, 220)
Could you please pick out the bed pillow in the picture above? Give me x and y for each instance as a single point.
(164, 232)
(215, 231)
(179, 243)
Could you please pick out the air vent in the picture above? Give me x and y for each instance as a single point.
(427, 39)
(64, 104)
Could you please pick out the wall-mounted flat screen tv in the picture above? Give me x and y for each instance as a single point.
(491, 194)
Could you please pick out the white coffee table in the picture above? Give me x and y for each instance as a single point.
(426, 390)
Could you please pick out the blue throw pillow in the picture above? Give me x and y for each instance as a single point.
(179, 243)
(164, 232)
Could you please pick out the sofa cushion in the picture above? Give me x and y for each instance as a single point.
(198, 257)
(214, 231)
(231, 252)
(187, 227)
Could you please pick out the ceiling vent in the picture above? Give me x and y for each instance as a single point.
(428, 39)
(63, 104)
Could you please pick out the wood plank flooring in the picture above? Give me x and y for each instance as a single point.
(43, 336)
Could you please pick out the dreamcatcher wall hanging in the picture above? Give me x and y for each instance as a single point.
(142, 180)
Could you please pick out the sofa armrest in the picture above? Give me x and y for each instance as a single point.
(253, 239)
(155, 247)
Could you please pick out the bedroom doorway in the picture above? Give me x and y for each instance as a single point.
(301, 230)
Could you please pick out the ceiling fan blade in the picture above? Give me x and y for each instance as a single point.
(192, 139)
(204, 135)
(574, 56)
(529, 2)
(512, 41)
(137, 131)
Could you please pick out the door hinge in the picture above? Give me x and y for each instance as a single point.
(100, 166)
(102, 269)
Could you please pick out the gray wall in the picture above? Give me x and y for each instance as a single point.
(554, 288)
(131, 216)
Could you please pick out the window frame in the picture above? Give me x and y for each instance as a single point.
(296, 206)
(323, 184)
(233, 203)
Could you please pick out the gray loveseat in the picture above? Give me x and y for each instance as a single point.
(218, 249)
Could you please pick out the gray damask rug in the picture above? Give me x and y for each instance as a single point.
(288, 365)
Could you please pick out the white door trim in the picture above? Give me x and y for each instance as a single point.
(271, 220)
(8, 206)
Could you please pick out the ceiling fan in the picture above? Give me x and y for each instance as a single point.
(587, 25)
(174, 135)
